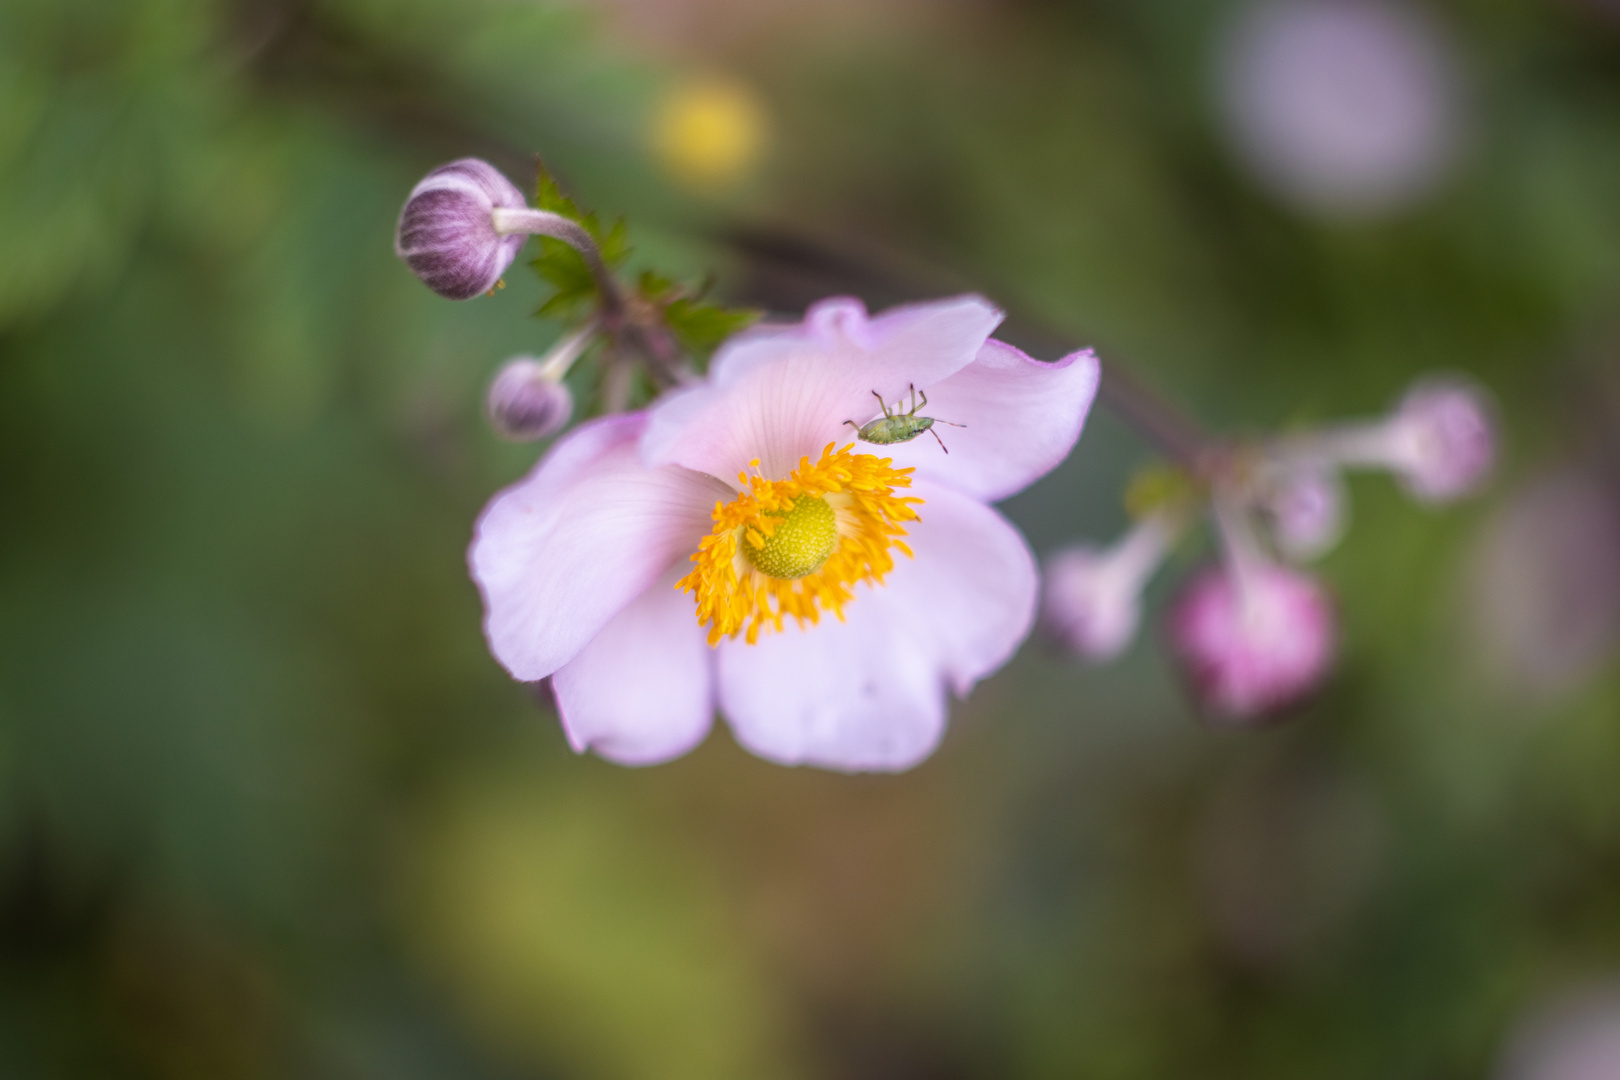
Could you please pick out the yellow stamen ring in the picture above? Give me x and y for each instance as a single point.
(798, 546)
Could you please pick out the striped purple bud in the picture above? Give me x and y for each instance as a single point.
(447, 233)
(526, 402)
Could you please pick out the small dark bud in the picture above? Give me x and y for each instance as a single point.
(447, 231)
(526, 403)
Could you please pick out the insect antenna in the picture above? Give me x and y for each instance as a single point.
(939, 440)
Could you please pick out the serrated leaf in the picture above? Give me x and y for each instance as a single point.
(615, 243)
(565, 269)
(548, 195)
(702, 327)
(655, 286)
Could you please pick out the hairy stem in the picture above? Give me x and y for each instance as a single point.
(1177, 434)
(570, 232)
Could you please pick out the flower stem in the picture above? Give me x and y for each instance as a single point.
(555, 364)
(1139, 552)
(545, 223)
(1370, 444)
(1177, 434)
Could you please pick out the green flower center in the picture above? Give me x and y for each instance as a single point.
(803, 539)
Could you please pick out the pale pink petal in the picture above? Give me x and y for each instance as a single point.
(782, 393)
(641, 691)
(559, 553)
(1021, 418)
(868, 694)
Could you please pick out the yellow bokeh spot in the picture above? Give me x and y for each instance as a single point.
(709, 134)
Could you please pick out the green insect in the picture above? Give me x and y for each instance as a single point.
(899, 427)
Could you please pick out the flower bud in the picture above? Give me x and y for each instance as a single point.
(526, 403)
(1093, 598)
(447, 232)
(1306, 507)
(1443, 439)
(1252, 641)
(1089, 605)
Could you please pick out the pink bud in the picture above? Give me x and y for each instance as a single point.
(1092, 607)
(525, 403)
(1306, 508)
(447, 231)
(1249, 649)
(1093, 598)
(1444, 438)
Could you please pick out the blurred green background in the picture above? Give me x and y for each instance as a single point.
(269, 809)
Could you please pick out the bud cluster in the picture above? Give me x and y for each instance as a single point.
(461, 229)
(1254, 634)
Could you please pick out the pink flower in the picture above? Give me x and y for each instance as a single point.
(1255, 643)
(658, 564)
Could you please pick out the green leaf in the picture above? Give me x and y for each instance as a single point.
(548, 195)
(615, 243)
(563, 268)
(702, 327)
(655, 286)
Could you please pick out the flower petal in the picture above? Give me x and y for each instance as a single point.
(782, 393)
(642, 691)
(1020, 419)
(559, 553)
(868, 693)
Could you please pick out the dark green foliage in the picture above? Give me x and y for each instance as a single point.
(574, 290)
(699, 326)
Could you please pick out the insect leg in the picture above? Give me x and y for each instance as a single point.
(882, 404)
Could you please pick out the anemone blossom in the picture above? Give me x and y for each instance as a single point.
(736, 545)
